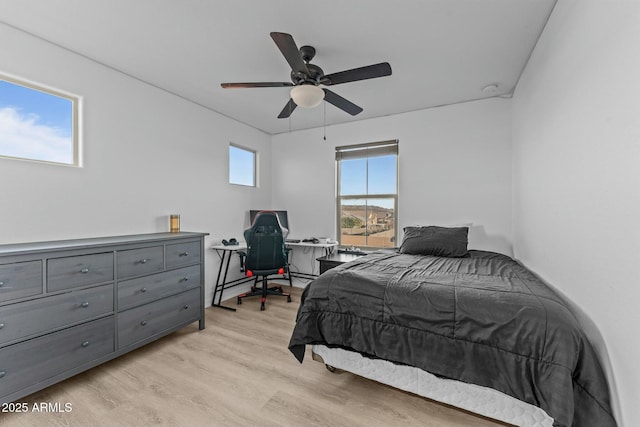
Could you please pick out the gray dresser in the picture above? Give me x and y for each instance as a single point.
(67, 306)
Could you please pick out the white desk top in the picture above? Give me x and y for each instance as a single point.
(311, 244)
(242, 246)
(239, 247)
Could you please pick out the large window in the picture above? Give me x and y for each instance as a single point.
(367, 188)
(37, 123)
(242, 166)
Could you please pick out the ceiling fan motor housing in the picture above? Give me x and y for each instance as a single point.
(315, 72)
(314, 76)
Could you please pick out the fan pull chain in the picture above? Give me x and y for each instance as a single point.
(324, 128)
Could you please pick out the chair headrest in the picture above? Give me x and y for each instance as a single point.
(266, 219)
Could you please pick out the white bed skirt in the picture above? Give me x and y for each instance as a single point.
(477, 399)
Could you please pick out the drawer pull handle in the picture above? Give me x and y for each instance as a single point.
(84, 304)
(84, 270)
(184, 254)
(143, 323)
(1, 325)
(85, 344)
(186, 307)
(144, 261)
(2, 373)
(143, 290)
(1, 284)
(184, 279)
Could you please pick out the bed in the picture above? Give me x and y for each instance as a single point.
(476, 318)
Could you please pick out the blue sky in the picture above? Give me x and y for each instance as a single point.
(241, 166)
(52, 111)
(378, 178)
(35, 124)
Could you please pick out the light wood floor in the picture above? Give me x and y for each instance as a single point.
(238, 371)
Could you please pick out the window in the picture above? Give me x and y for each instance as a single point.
(242, 166)
(37, 123)
(367, 188)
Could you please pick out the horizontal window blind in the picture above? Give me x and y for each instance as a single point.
(360, 151)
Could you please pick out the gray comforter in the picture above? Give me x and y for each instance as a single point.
(484, 319)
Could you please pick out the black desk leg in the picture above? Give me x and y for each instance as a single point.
(288, 252)
(215, 288)
(224, 281)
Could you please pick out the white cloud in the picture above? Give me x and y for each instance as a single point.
(22, 136)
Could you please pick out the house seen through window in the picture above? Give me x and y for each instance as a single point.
(367, 194)
(37, 123)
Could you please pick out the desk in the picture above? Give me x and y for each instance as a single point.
(225, 252)
(327, 249)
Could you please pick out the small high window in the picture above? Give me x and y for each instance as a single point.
(38, 123)
(242, 166)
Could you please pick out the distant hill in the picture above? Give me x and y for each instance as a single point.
(362, 212)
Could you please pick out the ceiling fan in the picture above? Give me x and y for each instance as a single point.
(306, 78)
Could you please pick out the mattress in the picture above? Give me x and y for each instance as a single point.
(473, 398)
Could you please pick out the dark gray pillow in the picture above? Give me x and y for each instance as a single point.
(436, 241)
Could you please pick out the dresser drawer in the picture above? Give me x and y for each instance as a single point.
(28, 363)
(20, 279)
(149, 288)
(82, 270)
(183, 254)
(148, 320)
(44, 314)
(136, 262)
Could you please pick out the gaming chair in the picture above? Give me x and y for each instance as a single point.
(266, 255)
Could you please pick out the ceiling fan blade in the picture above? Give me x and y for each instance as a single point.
(363, 73)
(287, 110)
(341, 103)
(290, 52)
(258, 84)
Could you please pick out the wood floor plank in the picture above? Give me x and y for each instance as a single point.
(236, 372)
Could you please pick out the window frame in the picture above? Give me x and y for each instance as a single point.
(76, 101)
(365, 151)
(255, 165)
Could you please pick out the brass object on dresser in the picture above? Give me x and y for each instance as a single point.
(67, 306)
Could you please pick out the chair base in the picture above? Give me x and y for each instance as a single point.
(287, 276)
(263, 292)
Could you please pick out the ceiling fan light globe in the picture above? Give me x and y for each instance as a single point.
(307, 96)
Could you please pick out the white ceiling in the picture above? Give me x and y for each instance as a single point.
(441, 51)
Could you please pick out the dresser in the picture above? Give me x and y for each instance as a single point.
(67, 306)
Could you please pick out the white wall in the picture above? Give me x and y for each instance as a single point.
(575, 195)
(454, 167)
(146, 154)
(576, 133)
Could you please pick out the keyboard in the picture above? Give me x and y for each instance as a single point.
(292, 240)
